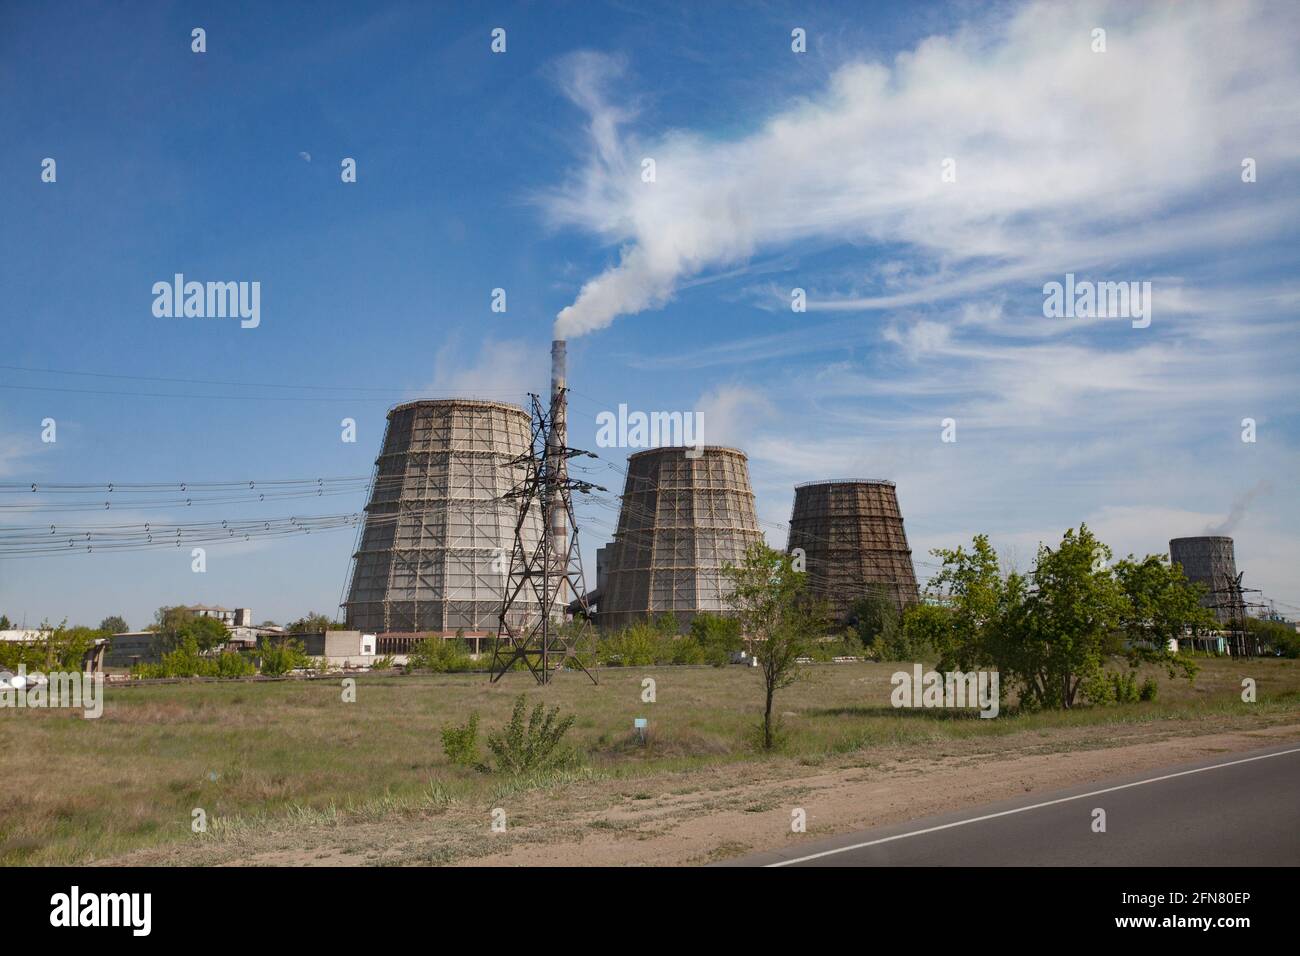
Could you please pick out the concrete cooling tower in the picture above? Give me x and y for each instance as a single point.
(681, 520)
(435, 549)
(852, 534)
(1208, 560)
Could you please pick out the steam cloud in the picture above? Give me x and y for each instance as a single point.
(1051, 140)
(1240, 505)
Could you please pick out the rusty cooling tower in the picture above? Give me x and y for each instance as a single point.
(681, 520)
(1210, 561)
(438, 536)
(852, 535)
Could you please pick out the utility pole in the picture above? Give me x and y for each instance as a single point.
(545, 565)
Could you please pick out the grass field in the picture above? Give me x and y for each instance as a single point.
(276, 755)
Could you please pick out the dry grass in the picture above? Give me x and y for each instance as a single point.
(292, 755)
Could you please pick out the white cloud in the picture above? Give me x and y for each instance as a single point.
(505, 370)
(1063, 156)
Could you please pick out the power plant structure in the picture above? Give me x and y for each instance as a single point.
(851, 534)
(439, 528)
(686, 512)
(1209, 560)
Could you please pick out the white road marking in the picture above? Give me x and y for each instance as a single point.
(1036, 806)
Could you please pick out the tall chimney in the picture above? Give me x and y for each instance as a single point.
(559, 463)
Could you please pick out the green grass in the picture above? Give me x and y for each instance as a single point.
(292, 753)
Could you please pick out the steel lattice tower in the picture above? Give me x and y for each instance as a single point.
(543, 570)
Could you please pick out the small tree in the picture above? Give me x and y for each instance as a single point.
(776, 617)
(1160, 606)
(206, 632)
(1051, 641)
(282, 656)
(313, 623)
(167, 621)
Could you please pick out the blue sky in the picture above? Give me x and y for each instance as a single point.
(774, 170)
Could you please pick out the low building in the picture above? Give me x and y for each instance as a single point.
(134, 647)
(339, 648)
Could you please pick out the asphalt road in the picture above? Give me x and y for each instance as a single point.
(1238, 809)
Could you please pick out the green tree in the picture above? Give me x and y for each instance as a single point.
(314, 623)
(719, 637)
(777, 619)
(972, 595)
(1161, 605)
(206, 632)
(1280, 637)
(1052, 640)
(167, 622)
(114, 624)
(876, 621)
(4, 623)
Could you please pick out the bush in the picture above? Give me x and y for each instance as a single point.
(440, 655)
(686, 650)
(1118, 687)
(827, 650)
(281, 657)
(521, 748)
(61, 649)
(637, 645)
(383, 663)
(460, 744)
(188, 661)
(718, 637)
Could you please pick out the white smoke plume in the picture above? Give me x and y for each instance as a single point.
(1240, 505)
(1052, 142)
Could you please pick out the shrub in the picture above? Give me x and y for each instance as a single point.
(1117, 687)
(281, 657)
(460, 744)
(441, 656)
(1149, 689)
(383, 663)
(719, 637)
(1126, 689)
(686, 650)
(520, 748)
(188, 661)
(1099, 689)
(635, 646)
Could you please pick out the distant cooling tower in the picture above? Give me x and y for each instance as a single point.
(438, 532)
(681, 520)
(852, 534)
(1208, 560)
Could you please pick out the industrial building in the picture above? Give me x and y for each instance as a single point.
(339, 648)
(685, 514)
(851, 534)
(1210, 560)
(435, 549)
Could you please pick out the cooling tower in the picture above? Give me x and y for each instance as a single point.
(852, 535)
(438, 536)
(681, 520)
(1209, 561)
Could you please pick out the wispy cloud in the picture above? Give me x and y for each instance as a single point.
(1064, 156)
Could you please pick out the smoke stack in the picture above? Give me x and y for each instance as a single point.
(559, 463)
